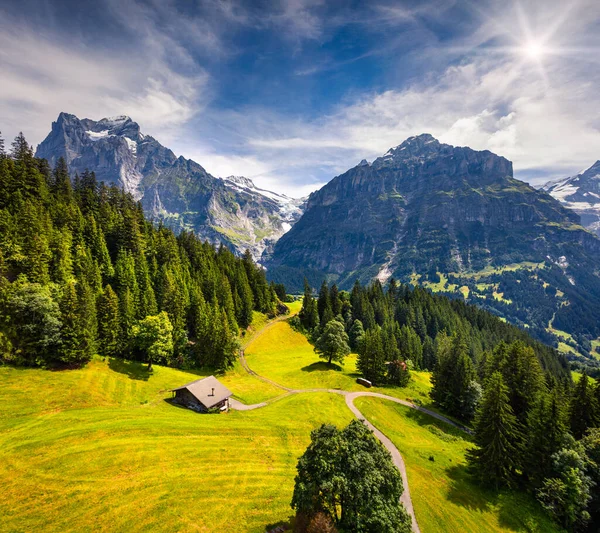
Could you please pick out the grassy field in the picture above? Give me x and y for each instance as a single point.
(444, 497)
(285, 356)
(99, 449)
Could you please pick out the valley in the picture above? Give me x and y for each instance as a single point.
(102, 441)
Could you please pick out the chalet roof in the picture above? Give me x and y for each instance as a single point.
(208, 391)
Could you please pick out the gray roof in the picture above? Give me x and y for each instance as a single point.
(208, 391)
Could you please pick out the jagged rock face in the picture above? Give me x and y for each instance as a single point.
(176, 190)
(427, 207)
(581, 193)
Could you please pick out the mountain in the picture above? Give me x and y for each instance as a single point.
(176, 190)
(581, 193)
(455, 220)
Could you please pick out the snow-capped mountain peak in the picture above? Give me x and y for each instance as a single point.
(580, 193)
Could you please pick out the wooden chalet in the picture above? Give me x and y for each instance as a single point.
(203, 395)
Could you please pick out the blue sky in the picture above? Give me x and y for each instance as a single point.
(294, 92)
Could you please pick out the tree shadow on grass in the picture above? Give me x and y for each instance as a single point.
(132, 369)
(321, 366)
(424, 419)
(465, 492)
(282, 525)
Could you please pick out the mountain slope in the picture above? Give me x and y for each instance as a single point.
(453, 219)
(176, 190)
(581, 193)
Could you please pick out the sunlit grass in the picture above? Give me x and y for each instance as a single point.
(99, 449)
(444, 495)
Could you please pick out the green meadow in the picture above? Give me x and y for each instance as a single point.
(444, 497)
(99, 449)
(102, 449)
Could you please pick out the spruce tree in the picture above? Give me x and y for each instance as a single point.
(309, 315)
(546, 429)
(324, 305)
(497, 437)
(583, 408)
(371, 357)
(336, 302)
(109, 323)
(75, 348)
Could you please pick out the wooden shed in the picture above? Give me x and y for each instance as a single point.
(203, 394)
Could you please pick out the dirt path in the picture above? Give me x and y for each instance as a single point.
(350, 397)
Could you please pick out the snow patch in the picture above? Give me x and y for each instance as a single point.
(286, 226)
(131, 144)
(97, 135)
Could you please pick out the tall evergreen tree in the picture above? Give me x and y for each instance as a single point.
(371, 357)
(309, 315)
(546, 429)
(109, 323)
(324, 305)
(495, 459)
(583, 408)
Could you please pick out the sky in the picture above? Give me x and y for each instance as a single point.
(294, 92)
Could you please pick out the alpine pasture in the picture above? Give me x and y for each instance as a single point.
(101, 448)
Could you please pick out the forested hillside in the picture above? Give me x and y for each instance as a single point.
(532, 428)
(83, 271)
(411, 324)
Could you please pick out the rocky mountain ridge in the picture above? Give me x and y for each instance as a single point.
(581, 193)
(455, 220)
(178, 191)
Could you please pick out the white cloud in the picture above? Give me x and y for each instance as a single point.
(43, 75)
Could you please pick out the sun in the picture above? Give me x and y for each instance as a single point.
(534, 50)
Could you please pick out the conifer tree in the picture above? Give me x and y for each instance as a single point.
(309, 315)
(583, 408)
(109, 323)
(371, 357)
(546, 429)
(497, 438)
(75, 347)
(324, 305)
(336, 302)
(356, 335)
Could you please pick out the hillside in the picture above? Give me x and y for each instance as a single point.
(100, 448)
(173, 189)
(454, 220)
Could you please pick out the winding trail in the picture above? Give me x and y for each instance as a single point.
(349, 397)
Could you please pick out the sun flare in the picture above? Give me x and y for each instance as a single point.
(534, 50)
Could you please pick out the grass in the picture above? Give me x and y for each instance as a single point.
(444, 497)
(286, 357)
(490, 270)
(99, 449)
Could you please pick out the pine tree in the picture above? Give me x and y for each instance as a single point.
(546, 430)
(429, 354)
(371, 357)
(75, 347)
(336, 302)
(356, 335)
(324, 305)
(496, 436)
(309, 315)
(109, 323)
(583, 408)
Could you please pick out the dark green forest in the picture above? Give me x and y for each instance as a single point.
(83, 271)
